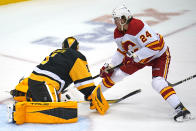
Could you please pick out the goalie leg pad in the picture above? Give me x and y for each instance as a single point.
(45, 112)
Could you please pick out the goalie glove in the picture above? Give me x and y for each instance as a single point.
(97, 101)
(106, 70)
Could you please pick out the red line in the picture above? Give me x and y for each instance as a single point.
(34, 62)
(7, 99)
(181, 29)
(29, 61)
(17, 58)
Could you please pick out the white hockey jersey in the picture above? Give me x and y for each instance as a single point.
(140, 39)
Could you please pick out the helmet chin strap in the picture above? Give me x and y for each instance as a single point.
(122, 25)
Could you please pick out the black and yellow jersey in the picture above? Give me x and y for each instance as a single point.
(62, 67)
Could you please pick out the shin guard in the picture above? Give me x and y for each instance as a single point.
(45, 112)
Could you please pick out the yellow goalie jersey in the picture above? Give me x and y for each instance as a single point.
(61, 68)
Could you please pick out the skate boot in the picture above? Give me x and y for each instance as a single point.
(182, 114)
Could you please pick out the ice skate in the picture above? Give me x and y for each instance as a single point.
(182, 114)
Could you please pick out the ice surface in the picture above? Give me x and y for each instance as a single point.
(31, 30)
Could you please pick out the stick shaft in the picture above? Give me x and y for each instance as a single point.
(111, 68)
(182, 81)
(124, 97)
(120, 99)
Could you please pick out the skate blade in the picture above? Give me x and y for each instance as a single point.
(186, 118)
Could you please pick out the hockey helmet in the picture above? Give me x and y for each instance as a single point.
(70, 42)
(121, 12)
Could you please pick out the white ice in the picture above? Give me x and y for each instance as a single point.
(23, 24)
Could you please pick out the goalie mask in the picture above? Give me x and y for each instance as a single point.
(70, 42)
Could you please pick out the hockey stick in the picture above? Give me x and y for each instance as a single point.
(182, 81)
(120, 99)
(124, 97)
(115, 100)
(110, 69)
(94, 77)
(139, 90)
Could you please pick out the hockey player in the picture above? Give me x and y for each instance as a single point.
(139, 46)
(55, 73)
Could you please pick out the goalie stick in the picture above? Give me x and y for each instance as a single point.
(124, 97)
(120, 99)
(182, 81)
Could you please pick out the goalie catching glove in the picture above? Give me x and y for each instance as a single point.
(98, 101)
